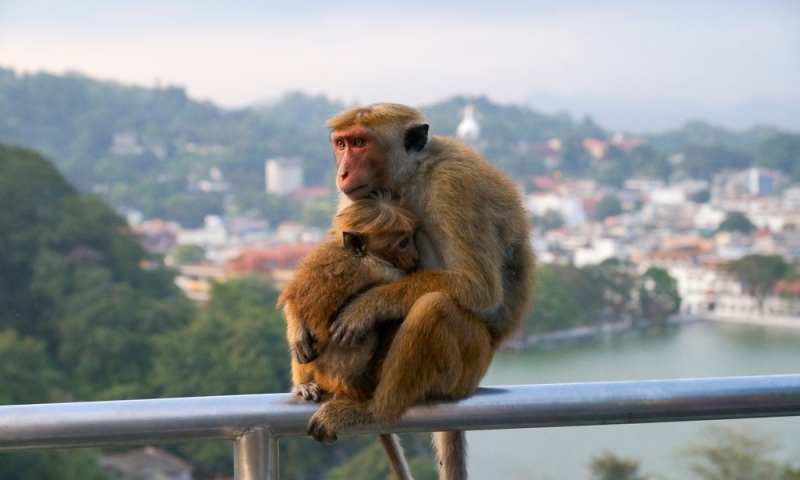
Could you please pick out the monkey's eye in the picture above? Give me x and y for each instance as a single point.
(403, 243)
(359, 142)
(340, 144)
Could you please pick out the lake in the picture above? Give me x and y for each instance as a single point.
(701, 349)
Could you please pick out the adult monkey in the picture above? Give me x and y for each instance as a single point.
(476, 282)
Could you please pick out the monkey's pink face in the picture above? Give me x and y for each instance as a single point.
(358, 160)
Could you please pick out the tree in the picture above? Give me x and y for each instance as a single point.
(702, 196)
(190, 208)
(611, 467)
(615, 167)
(370, 463)
(550, 219)
(617, 280)
(72, 464)
(566, 297)
(730, 454)
(608, 206)
(656, 297)
(318, 214)
(781, 151)
(235, 345)
(649, 163)
(758, 274)
(188, 254)
(107, 332)
(31, 191)
(703, 161)
(26, 372)
(72, 279)
(736, 222)
(575, 160)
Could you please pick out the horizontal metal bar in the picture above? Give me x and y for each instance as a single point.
(186, 419)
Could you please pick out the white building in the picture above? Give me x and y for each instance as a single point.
(284, 175)
(708, 217)
(668, 196)
(767, 212)
(569, 207)
(697, 286)
(214, 234)
(468, 130)
(791, 198)
(599, 250)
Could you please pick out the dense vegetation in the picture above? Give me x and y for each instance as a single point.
(568, 296)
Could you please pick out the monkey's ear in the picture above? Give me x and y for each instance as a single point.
(416, 137)
(354, 243)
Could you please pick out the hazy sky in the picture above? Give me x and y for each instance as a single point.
(715, 53)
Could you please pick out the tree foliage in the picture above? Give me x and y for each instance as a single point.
(26, 372)
(729, 454)
(759, 273)
(568, 296)
(736, 222)
(611, 467)
(550, 219)
(781, 151)
(188, 254)
(81, 464)
(78, 312)
(565, 297)
(146, 147)
(236, 344)
(369, 463)
(608, 206)
(657, 297)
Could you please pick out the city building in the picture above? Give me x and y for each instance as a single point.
(284, 175)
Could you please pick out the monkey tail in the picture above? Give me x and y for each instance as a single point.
(397, 459)
(451, 448)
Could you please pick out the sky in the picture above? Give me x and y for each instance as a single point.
(711, 54)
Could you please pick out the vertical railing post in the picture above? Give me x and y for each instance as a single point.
(255, 456)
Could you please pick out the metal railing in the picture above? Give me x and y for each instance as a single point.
(255, 422)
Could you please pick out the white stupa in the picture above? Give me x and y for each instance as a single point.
(468, 130)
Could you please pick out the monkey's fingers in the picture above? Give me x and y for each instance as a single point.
(304, 349)
(319, 431)
(345, 334)
(304, 353)
(309, 391)
(347, 331)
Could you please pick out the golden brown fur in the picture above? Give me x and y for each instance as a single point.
(332, 273)
(476, 280)
(328, 277)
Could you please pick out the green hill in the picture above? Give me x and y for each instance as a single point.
(149, 148)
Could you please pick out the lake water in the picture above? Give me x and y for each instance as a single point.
(691, 351)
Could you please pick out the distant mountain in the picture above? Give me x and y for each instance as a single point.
(653, 115)
(153, 149)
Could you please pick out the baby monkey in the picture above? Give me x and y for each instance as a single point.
(373, 244)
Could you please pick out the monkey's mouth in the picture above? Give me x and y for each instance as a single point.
(359, 188)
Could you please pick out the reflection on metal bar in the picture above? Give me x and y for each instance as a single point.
(255, 422)
(255, 456)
